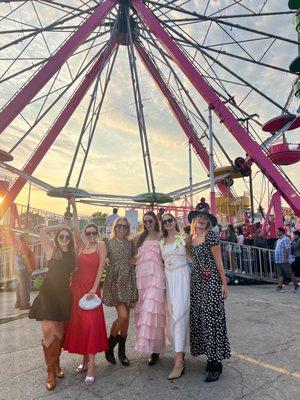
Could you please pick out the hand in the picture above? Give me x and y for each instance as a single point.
(72, 201)
(224, 289)
(133, 261)
(91, 294)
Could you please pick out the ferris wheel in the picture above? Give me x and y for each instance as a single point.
(214, 57)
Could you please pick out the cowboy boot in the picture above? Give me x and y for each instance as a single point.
(59, 373)
(121, 350)
(50, 363)
(109, 354)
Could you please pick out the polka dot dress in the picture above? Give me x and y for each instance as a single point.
(208, 333)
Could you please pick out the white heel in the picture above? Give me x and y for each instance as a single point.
(89, 380)
(81, 368)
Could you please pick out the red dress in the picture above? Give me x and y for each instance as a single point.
(86, 331)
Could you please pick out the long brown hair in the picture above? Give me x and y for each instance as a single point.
(57, 251)
(145, 232)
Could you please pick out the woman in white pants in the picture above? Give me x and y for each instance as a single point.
(173, 248)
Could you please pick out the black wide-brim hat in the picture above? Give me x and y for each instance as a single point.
(194, 214)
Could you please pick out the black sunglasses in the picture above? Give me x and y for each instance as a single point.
(61, 237)
(94, 233)
(167, 221)
(148, 221)
(120, 226)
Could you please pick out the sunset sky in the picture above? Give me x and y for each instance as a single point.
(115, 163)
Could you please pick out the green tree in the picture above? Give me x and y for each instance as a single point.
(99, 218)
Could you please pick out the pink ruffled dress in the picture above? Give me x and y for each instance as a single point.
(150, 309)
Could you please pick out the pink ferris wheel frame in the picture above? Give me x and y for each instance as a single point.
(27, 93)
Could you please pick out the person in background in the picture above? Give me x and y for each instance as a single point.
(240, 238)
(119, 288)
(231, 238)
(52, 306)
(160, 214)
(25, 266)
(296, 263)
(259, 240)
(202, 205)
(110, 220)
(282, 259)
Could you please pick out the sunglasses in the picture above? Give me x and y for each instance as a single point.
(167, 221)
(121, 226)
(148, 221)
(94, 233)
(61, 237)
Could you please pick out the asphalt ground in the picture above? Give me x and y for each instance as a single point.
(264, 332)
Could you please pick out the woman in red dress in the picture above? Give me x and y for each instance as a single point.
(86, 332)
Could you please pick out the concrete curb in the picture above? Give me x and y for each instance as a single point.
(11, 318)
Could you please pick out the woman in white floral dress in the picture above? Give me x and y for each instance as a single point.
(173, 248)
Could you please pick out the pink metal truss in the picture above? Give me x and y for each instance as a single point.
(55, 130)
(179, 115)
(27, 93)
(224, 114)
(269, 227)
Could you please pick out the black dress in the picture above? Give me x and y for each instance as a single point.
(208, 332)
(54, 300)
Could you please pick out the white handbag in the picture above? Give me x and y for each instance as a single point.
(91, 304)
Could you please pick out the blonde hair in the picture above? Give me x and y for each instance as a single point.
(193, 224)
(114, 227)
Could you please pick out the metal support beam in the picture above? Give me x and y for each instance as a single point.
(178, 113)
(27, 93)
(251, 147)
(55, 130)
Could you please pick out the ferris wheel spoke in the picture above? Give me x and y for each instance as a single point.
(96, 119)
(45, 29)
(199, 114)
(192, 42)
(234, 3)
(240, 27)
(50, 107)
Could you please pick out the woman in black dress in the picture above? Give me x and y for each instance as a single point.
(208, 333)
(52, 306)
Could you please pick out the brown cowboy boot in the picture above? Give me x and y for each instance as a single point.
(50, 363)
(59, 373)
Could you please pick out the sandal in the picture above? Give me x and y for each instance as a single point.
(81, 368)
(89, 380)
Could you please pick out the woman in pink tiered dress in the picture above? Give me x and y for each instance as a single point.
(150, 309)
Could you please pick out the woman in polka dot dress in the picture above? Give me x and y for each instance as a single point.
(208, 332)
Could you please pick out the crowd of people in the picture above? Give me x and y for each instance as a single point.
(173, 301)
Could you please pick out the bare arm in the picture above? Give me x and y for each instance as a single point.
(102, 260)
(216, 252)
(77, 237)
(45, 241)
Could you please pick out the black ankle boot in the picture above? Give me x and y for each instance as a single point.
(153, 359)
(216, 369)
(121, 350)
(109, 354)
(209, 366)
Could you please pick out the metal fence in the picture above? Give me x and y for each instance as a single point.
(249, 260)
